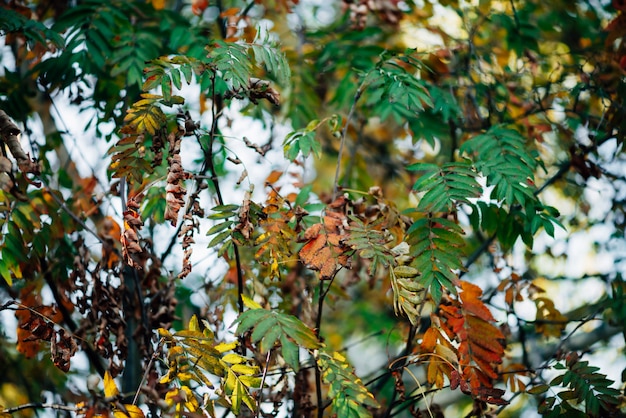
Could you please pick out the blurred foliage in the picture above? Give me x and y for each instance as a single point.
(312, 208)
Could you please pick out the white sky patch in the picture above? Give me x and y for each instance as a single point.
(599, 193)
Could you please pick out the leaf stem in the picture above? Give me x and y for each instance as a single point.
(318, 324)
(209, 159)
(344, 132)
(407, 350)
(267, 365)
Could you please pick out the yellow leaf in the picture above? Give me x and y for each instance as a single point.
(250, 303)
(193, 324)
(158, 4)
(173, 396)
(339, 357)
(110, 388)
(244, 369)
(224, 347)
(164, 333)
(132, 411)
(191, 403)
(233, 358)
(185, 377)
(447, 354)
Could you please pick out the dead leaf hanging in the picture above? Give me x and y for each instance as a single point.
(175, 175)
(325, 250)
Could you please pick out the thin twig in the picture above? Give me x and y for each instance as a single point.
(318, 325)
(267, 364)
(148, 368)
(318, 373)
(222, 21)
(245, 11)
(515, 17)
(407, 350)
(39, 405)
(215, 114)
(344, 132)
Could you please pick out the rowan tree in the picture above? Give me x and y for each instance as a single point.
(294, 208)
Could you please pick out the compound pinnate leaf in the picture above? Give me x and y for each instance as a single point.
(269, 327)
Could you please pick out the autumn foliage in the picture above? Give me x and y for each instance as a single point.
(292, 208)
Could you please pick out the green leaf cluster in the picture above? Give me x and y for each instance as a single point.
(586, 387)
(302, 141)
(102, 36)
(515, 223)
(437, 246)
(34, 31)
(446, 186)
(370, 242)
(350, 398)
(270, 328)
(166, 71)
(502, 155)
(222, 230)
(232, 63)
(433, 125)
(394, 91)
(268, 54)
(436, 242)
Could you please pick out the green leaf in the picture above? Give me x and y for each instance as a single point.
(268, 54)
(436, 245)
(348, 395)
(538, 389)
(502, 155)
(290, 352)
(444, 188)
(268, 327)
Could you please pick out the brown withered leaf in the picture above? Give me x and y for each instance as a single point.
(244, 225)
(129, 238)
(62, 350)
(325, 250)
(186, 233)
(35, 324)
(110, 232)
(175, 175)
(261, 89)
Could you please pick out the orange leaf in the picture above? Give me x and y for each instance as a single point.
(470, 297)
(273, 177)
(324, 251)
(198, 6)
(429, 341)
(486, 354)
(230, 12)
(158, 4)
(482, 331)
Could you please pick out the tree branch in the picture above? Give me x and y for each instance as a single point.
(10, 135)
(318, 325)
(39, 405)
